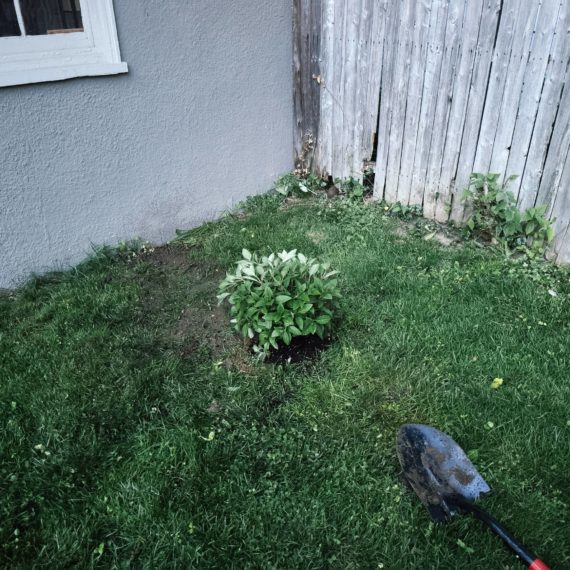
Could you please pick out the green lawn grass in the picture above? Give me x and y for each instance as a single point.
(136, 431)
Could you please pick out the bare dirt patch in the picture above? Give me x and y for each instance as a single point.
(291, 202)
(168, 258)
(441, 238)
(404, 229)
(429, 232)
(207, 326)
(181, 290)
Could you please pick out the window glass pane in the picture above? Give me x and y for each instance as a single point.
(51, 16)
(8, 19)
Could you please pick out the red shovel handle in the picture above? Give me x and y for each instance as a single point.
(538, 565)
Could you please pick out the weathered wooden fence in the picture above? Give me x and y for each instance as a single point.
(445, 87)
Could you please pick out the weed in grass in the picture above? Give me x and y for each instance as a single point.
(351, 188)
(495, 217)
(299, 185)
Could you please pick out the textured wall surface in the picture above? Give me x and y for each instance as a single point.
(202, 119)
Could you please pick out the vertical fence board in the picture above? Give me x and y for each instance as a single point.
(422, 19)
(480, 85)
(378, 9)
(560, 211)
(519, 61)
(324, 144)
(349, 63)
(452, 47)
(337, 88)
(547, 111)
(531, 92)
(386, 102)
(361, 69)
(398, 96)
(306, 94)
(460, 96)
(429, 99)
(515, 30)
(550, 182)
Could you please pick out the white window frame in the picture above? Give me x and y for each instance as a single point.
(95, 51)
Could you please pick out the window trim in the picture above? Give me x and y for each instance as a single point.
(95, 51)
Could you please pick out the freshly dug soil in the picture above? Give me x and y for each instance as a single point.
(302, 348)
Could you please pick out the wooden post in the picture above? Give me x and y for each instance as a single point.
(306, 79)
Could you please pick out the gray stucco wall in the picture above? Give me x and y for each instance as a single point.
(203, 119)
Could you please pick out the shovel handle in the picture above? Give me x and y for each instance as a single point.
(525, 556)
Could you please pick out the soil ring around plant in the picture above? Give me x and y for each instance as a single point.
(301, 349)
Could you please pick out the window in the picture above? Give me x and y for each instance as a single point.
(48, 40)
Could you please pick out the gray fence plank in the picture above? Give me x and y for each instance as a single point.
(487, 59)
(429, 100)
(399, 91)
(473, 27)
(386, 102)
(531, 92)
(451, 52)
(418, 54)
(548, 109)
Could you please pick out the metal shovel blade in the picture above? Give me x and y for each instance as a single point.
(438, 470)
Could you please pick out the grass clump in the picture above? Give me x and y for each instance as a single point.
(130, 438)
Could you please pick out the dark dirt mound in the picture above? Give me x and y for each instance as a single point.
(302, 348)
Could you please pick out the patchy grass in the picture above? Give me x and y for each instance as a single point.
(136, 431)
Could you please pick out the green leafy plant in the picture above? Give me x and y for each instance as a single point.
(536, 226)
(351, 188)
(404, 211)
(296, 185)
(278, 297)
(495, 217)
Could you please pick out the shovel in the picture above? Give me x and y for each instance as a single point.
(447, 483)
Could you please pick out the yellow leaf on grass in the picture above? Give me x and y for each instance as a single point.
(496, 383)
